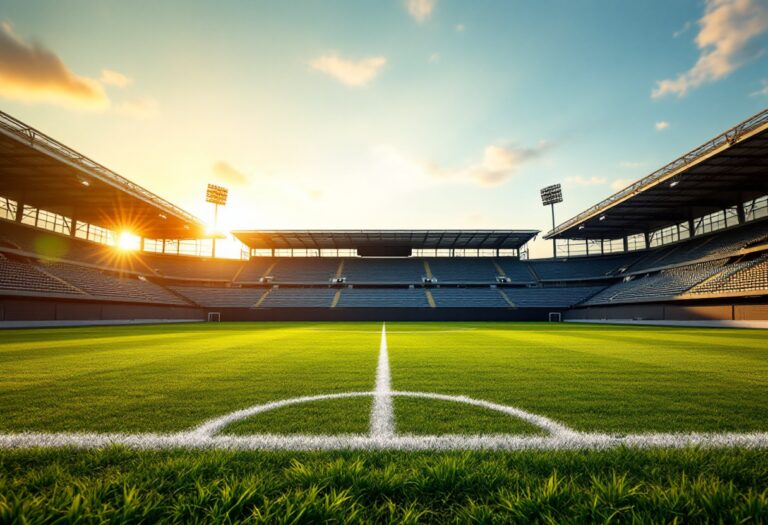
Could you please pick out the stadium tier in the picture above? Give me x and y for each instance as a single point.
(697, 245)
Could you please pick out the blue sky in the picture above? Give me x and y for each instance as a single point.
(384, 114)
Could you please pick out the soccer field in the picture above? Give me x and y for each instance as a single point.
(586, 400)
(590, 379)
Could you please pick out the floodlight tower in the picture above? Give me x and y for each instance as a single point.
(216, 195)
(550, 196)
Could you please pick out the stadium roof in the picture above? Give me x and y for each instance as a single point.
(42, 172)
(728, 169)
(415, 239)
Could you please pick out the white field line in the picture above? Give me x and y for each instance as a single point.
(560, 438)
(382, 413)
(576, 441)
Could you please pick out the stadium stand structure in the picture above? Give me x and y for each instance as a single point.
(699, 228)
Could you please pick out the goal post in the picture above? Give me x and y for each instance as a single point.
(555, 317)
(214, 317)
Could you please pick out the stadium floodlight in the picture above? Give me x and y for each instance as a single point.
(550, 196)
(216, 195)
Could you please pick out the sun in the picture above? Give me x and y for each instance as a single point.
(127, 241)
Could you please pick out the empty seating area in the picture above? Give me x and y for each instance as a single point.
(383, 298)
(660, 285)
(741, 277)
(298, 298)
(556, 297)
(107, 286)
(715, 244)
(255, 269)
(221, 297)
(304, 269)
(45, 244)
(468, 298)
(383, 270)
(462, 269)
(196, 268)
(516, 270)
(580, 268)
(18, 276)
(42, 263)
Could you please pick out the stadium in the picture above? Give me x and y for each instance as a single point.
(686, 243)
(380, 324)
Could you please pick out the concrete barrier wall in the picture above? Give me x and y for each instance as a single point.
(18, 309)
(675, 312)
(33, 309)
(384, 314)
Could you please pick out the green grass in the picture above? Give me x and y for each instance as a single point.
(597, 378)
(332, 416)
(429, 416)
(171, 378)
(617, 486)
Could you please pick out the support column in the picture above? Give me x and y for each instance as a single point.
(19, 211)
(690, 224)
(554, 241)
(626, 243)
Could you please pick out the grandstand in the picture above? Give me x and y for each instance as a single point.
(690, 241)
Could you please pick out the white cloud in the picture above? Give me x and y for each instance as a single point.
(630, 164)
(31, 73)
(725, 42)
(662, 125)
(582, 181)
(144, 107)
(110, 77)
(500, 162)
(460, 28)
(620, 184)
(420, 10)
(761, 92)
(354, 73)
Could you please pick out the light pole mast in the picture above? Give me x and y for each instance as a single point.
(550, 196)
(217, 195)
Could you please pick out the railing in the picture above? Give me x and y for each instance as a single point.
(40, 141)
(729, 137)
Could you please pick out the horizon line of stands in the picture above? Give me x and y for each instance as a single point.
(730, 262)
